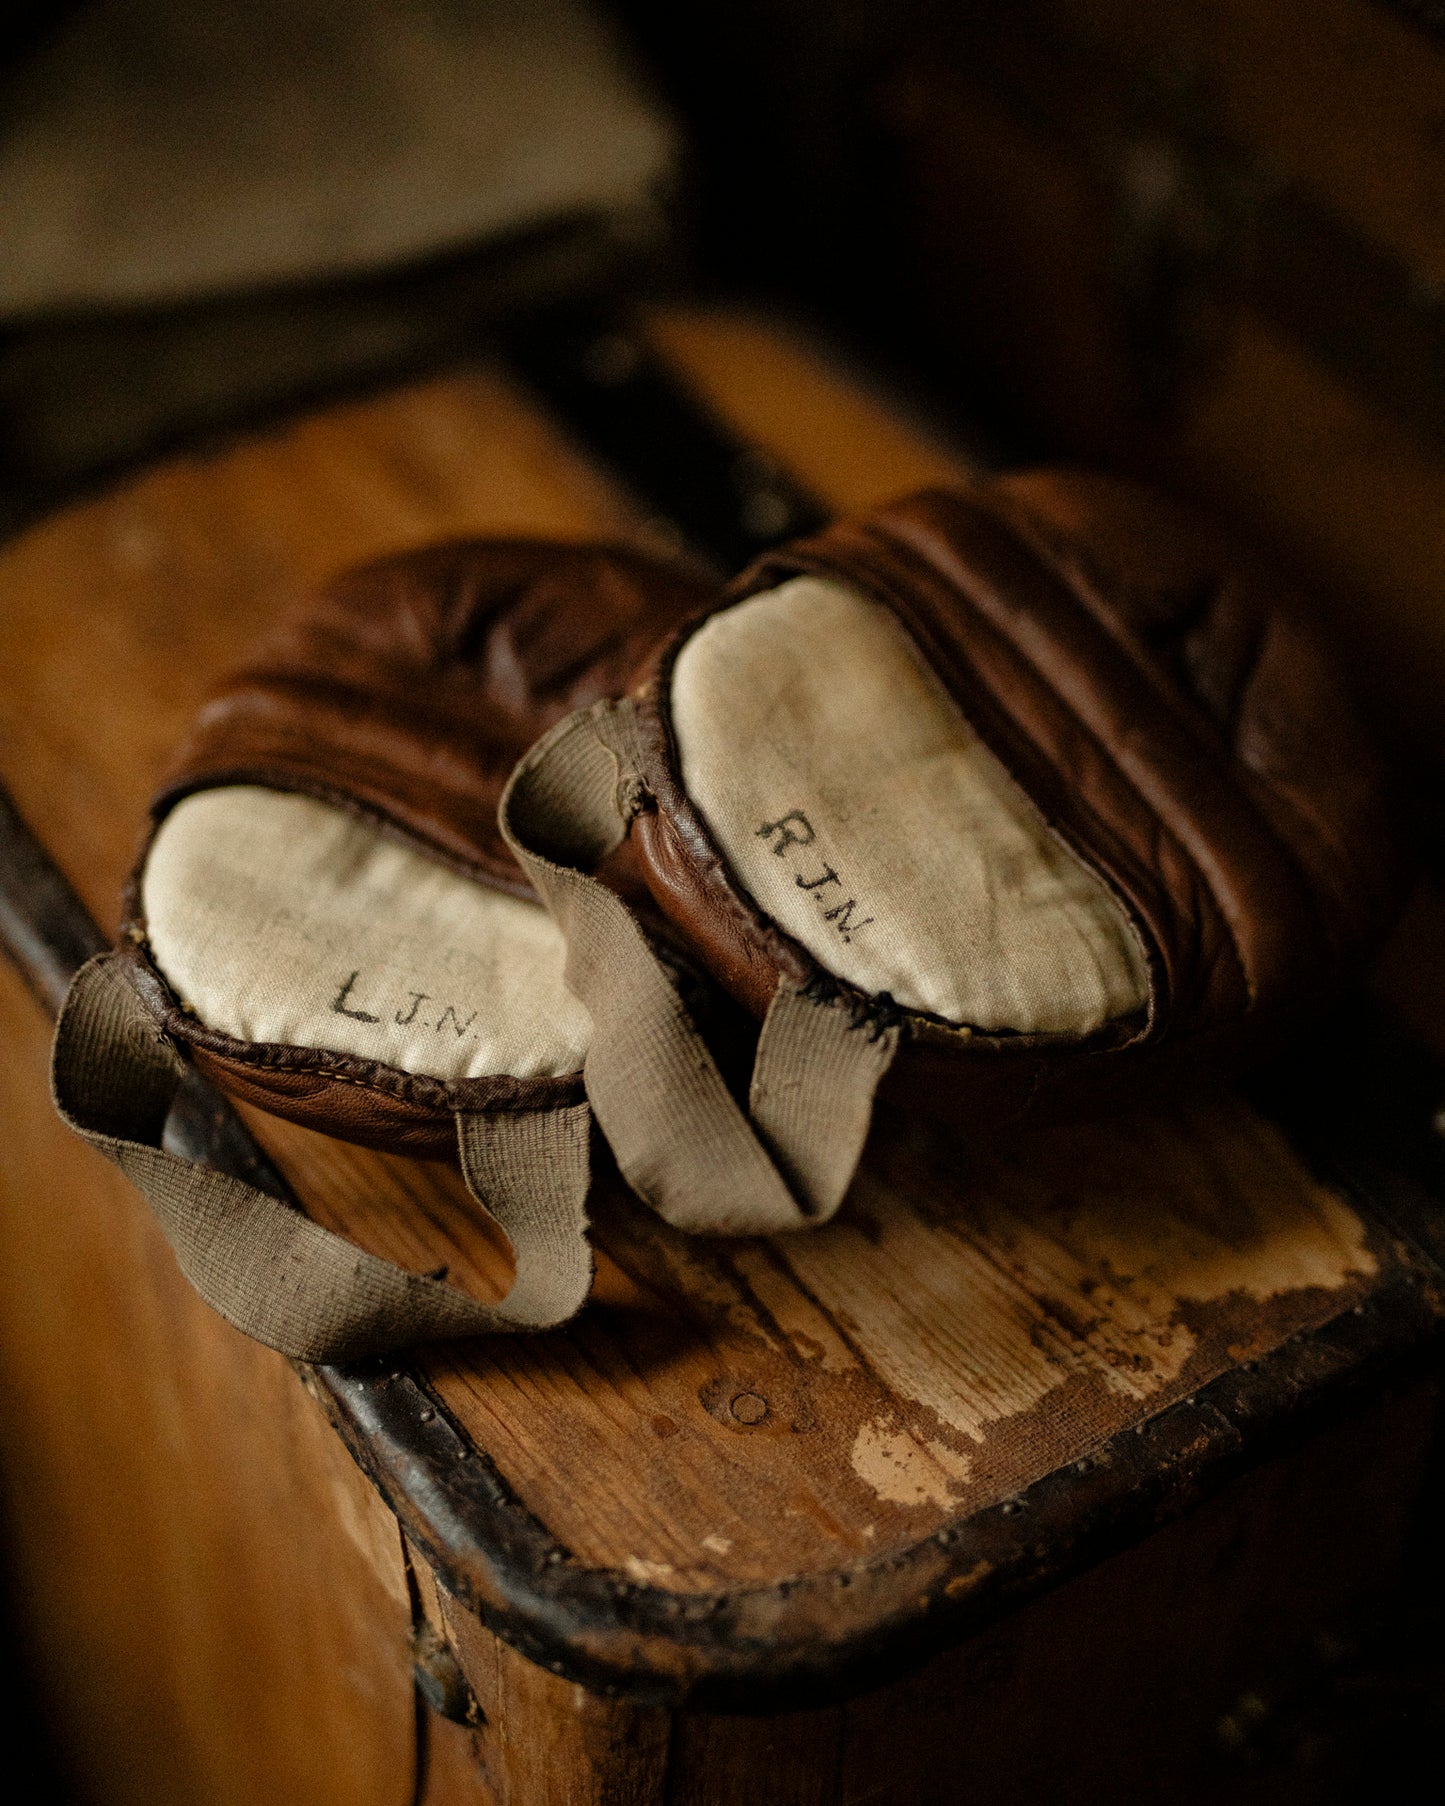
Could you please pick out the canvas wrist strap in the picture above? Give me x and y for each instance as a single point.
(681, 1140)
(272, 1271)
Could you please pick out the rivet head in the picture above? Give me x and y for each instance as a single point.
(747, 1407)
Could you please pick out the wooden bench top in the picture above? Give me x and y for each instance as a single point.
(751, 1471)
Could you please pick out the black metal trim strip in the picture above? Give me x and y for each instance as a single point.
(618, 398)
(762, 1650)
(45, 929)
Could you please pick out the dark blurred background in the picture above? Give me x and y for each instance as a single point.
(1202, 240)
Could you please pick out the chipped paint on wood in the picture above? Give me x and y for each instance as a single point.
(648, 1573)
(1070, 1259)
(905, 1468)
(969, 1323)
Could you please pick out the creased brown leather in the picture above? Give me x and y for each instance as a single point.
(405, 691)
(409, 688)
(1155, 690)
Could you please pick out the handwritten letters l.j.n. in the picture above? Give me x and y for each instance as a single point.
(409, 1015)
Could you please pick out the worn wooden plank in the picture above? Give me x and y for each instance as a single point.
(849, 442)
(794, 1760)
(1132, 1680)
(549, 1742)
(455, 1774)
(213, 1596)
(974, 1321)
(1119, 1685)
(747, 1465)
(456, 1741)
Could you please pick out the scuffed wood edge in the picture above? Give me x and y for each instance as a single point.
(45, 929)
(818, 1637)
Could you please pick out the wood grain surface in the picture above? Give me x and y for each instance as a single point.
(975, 1320)
(725, 1415)
(1123, 1684)
(211, 1595)
(843, 437)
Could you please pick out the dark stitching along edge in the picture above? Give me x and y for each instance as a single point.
(662, 773)
(440, 1097)
(980, 708)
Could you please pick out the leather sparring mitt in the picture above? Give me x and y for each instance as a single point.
(325, 920)
(999, 794)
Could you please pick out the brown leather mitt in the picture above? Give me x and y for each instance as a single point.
(325, 919)
(998, 794)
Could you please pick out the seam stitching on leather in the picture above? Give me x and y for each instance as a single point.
(885, 590)
(1090, 734)
(1045, 547)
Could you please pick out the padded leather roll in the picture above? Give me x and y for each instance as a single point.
(400, 695)
(1153, 692)
(325, 918)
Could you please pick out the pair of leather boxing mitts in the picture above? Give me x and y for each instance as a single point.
(984, 798)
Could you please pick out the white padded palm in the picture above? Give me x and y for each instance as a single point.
(278, 918)
(866, 817)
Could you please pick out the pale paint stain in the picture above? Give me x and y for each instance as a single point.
(981, 1316)
(648, 1573)
(907, 1469)
(717, 1545)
